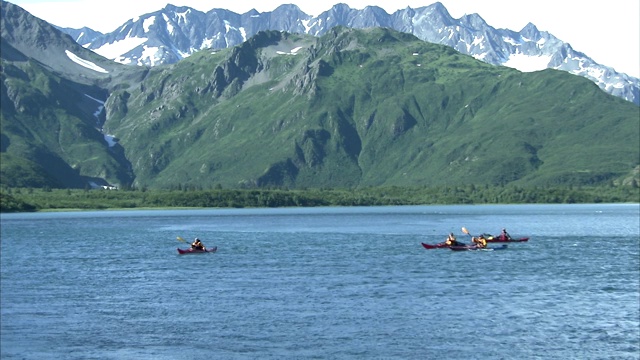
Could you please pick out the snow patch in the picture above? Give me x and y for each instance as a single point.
(150, 53)
(206, 43)
(170, 27)
(510, 40)
(85, 63)
(305, 23)
(146, 24)
(98, 110)
(183, 16)
(115, 49)
(94, 99)
(526, 63)
(293, 51)
(593, 72)
(480, 56)
(478, 40)
(111, 140)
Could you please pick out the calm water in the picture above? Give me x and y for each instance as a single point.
(324, 283)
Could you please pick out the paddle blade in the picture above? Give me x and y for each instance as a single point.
(464, 230)
(182, 240)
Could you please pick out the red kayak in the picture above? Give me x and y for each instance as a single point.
(435, 246)
(439, 245)
(196, 251)
(499, 239)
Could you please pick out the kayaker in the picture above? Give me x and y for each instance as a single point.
(480, 241)
(197, 244)
(451, 240)
(504, 235)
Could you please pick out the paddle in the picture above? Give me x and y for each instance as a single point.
(464, 230)
(182, 240)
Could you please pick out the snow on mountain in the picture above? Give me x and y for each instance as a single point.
(526, 63)
(115, 49)
(173, 33)
(88, 64)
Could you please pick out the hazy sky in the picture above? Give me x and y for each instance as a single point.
(606, 31)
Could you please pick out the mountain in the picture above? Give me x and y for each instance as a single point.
(52, 94)
(173, 33)
(83, 35)
(350, 108)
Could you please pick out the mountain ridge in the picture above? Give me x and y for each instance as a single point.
(176, 32)
(352, 108)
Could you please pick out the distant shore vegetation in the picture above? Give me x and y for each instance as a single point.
(45, 199)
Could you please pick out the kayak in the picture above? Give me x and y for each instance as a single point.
(195, 251)
(435, 246)
(498, 239)
(475, 247)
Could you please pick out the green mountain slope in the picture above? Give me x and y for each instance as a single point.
(354, 108)
(49, 114)
(50, 135)
(363, 108)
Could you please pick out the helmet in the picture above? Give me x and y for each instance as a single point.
(197, 239)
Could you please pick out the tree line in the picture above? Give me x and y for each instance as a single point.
(29, 199)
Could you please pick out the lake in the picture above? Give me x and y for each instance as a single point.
(322, 283)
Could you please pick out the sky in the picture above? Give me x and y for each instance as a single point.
(606, 31)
